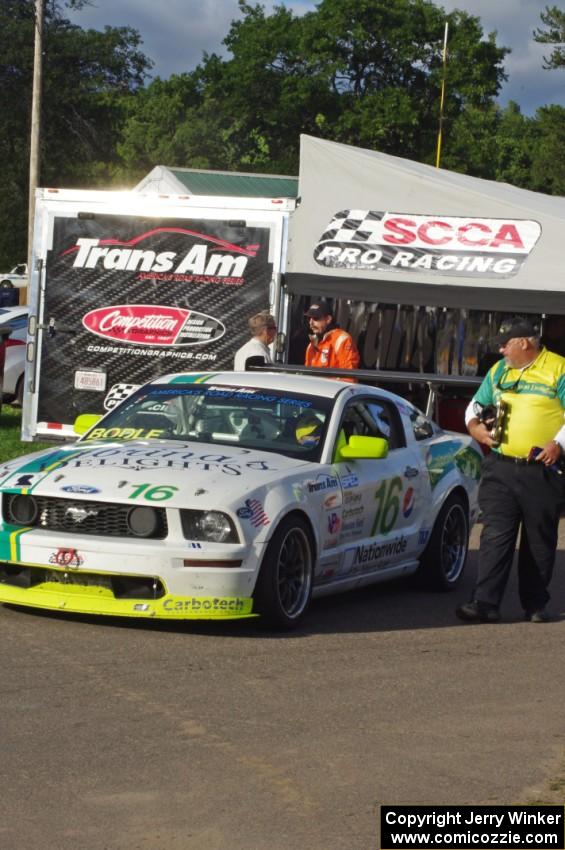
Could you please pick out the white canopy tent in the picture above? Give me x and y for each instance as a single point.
(374, 227)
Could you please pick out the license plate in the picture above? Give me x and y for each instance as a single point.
(77, 579)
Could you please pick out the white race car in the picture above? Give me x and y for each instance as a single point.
(227, 495)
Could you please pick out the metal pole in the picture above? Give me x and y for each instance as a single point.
(34, 151)
(442, 99)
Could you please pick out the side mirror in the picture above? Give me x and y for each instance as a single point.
(85, 422)
(359, 448)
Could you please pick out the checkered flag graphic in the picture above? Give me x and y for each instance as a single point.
(352, 226)
(118, 393)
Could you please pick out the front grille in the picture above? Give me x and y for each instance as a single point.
(81, 517)
(123, 587)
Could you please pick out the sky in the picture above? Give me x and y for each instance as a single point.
(176, 33)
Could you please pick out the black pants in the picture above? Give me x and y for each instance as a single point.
(509, 495)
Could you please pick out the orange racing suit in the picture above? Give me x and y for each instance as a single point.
(336, 350)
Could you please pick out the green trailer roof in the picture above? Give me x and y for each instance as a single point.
(236, 184)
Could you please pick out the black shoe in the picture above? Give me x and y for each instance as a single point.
(540, 615)
(478, 612)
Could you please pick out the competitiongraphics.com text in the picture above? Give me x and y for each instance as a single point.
(461, 827)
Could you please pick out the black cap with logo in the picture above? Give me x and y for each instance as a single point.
(517, 326)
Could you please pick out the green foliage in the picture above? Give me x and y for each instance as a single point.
(362, 72)
(88, 77)
(553, 19)
(10, 432)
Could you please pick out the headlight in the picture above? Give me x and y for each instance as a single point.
(21, 510)
(212, 526)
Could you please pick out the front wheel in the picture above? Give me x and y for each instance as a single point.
(284, 586)
(443, 561)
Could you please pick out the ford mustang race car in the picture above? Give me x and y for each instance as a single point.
(230, 495)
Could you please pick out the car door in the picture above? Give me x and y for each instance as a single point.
(383, 499)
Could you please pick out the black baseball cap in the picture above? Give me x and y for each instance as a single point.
(319, 309)
(517, 326)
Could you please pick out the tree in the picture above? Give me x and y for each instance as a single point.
(553, 19)
(88, 77)
(363, 72)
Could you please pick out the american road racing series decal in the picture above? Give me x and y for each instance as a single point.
(153, 325)
(439, 244)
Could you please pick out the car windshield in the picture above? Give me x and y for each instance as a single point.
(293, 424)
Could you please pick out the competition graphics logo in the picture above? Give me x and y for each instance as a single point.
(153, 325)
(445, 245)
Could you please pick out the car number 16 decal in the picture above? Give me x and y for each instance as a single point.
(388, 505)
(154, 494)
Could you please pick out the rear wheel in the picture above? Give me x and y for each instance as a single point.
(284, 586)
(443, 561)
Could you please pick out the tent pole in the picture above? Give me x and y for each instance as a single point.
(442, 98)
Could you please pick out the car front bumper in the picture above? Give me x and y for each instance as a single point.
(151, 581)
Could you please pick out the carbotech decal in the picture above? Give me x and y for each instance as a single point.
(153, 325)
(440, 244)
(202, 605)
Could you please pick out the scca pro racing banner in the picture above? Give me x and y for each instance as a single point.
(129, 298)
(445, 245)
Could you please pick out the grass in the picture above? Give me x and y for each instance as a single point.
(10, 430)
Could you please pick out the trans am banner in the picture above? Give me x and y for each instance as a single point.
(378, 228)
(129, 298)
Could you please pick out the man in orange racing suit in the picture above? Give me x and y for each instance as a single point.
(329, 346)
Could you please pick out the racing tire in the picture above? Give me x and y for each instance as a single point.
(284, 587)
(443, 561)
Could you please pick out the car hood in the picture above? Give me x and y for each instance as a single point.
(103, 470)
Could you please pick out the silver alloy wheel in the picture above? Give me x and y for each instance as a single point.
(294, 572)
(454, 542)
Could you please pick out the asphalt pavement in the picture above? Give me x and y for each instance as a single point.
(117, 735)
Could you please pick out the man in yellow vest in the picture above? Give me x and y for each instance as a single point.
(521, 484)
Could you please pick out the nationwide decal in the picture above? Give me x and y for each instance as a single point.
(408, 502)
(437, 244)
(153, 325)
(210, 259)
(365, 556)
(253, 511)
